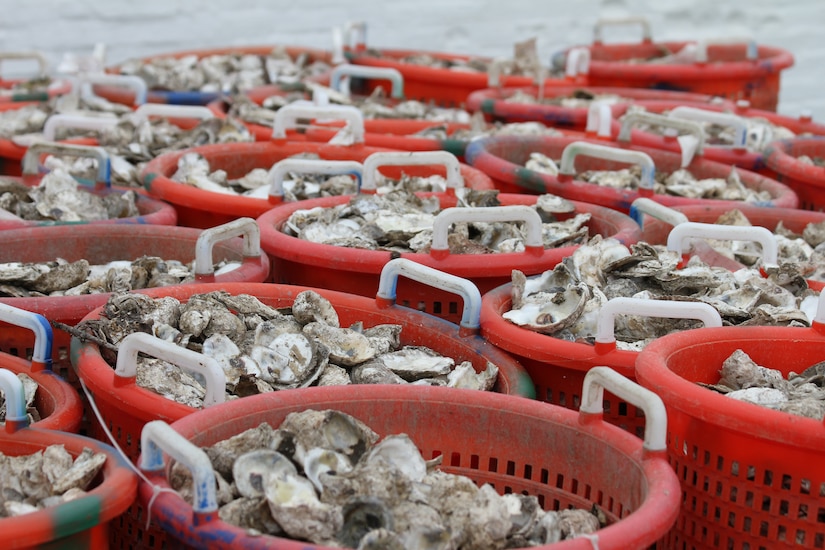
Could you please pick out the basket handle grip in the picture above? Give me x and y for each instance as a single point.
(583, 148)
(738, 123)
(471, 314)
(599, 119)
(275, 179)
(39, 325)
(288, 115)
(135, 83)
(751, 52)
(642, 206)
(598, 379)
(363, 71)
(96, 123)
(679, 235)
(148, 110)
(358, 30)
(246, 227)
(533, 241)
(418, 158)
(647, 35)
(694, 145)
(578, 62)
(186, 359)
(606, 325)
(158, 437)
(42, 62)
(104, 167)
(12, 387)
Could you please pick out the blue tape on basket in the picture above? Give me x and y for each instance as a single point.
(636, 215)
(187, 98)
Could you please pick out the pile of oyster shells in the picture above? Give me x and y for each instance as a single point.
(225, 73)
(815, 161)
(59, 197)
(324, 477)
(46, 478)
(262, 349)
(802, 394)
(803, 252)
(565, 302)
(29, 391)
(402, 222)
(760, 131)
(681, 183)
(577, 99)
(62, 278)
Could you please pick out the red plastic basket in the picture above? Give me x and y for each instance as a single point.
(197, 207)
(732, 70)
(503, 158)
(80, 523)
(196, 97)
(151, 211)
(656, 231)
(557, 367)
(296, 261)
(493, 102)
(56, 401)
(100, 245)
(516, 445)
(806, 180)
(751, 477)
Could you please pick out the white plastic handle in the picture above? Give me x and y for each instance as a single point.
(364, 71)
(520, 212)
(578, 62)
(606, 325)
(724, 119)
(598, 379)
(568, 158)
(158, 437)
(494, 71)
(275, 179)
(43, 335)
(388, 281)
(246, 227)
(135, 83)
(641, 117)
(751, 52)
(819, 316)
(32, 157)
(599, 118)
(659, 211)
(186, 359)
(41, 60)
(15, 397)
(288, 115)
(647, 36)
(199, 112)
(680, 234)
(96, 123)
(417, 158)
(358, 30)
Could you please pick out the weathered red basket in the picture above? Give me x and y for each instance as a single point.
(807, 181)
(751, 477)
(296, 261)
(516, 445)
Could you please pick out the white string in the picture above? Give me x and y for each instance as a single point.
(156, 489)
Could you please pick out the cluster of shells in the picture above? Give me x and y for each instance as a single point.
(262, 349)
(29, 391)
(760, 131)
(581, 98)
(44, 479)
(325, 477)
(681, 183)
(402, 222)
(62, 278)
(814, 161)
(224, 73)
(59, 197)
(803, 252)
(565, 302)
(802, 393)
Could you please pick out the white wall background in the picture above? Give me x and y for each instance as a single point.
(132, 28)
